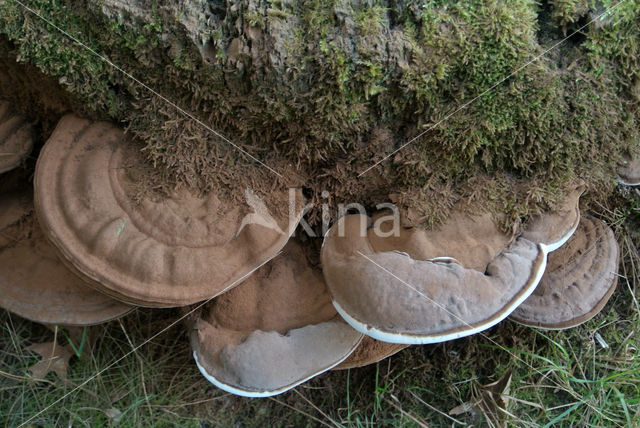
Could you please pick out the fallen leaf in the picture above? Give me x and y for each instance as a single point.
(497, 391)
(55, 358)
(114, 414)
(488, 403)
(465, 407)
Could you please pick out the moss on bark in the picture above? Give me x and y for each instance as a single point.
(324, 88)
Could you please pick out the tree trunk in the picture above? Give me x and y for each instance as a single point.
(324, 89)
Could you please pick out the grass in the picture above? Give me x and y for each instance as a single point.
(586, 376)
(554, 119)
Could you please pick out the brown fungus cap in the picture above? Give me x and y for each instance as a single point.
(629, 174)
(272, 332)
(14, 207)
(370, 351)
(396, 298)
(153, 251)
(553, 229)
(473, 241)
(34, 283)
(580, 278)
(16, 138)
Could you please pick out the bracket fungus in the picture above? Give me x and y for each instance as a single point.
(394, 297)
(272, 332)
(33, 281)
(152, 251)
(370, 351)
(629, 174)
(16, 138)
(580, 278)
(554, 229)
(472, 241)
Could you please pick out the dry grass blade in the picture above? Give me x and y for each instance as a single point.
(429, 406)
(302, 412)
(316, 408)
(394, 402)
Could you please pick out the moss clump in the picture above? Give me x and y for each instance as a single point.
(331, 86)
(567, 13)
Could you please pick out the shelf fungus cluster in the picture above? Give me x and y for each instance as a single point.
(264, 313)
(34, 283)
(629, 174)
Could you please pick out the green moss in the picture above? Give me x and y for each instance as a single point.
(542, 123)
(370, 19)
(277, 14)
(568, 12)
(615, 42)
(573, 112)
(255, 19)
